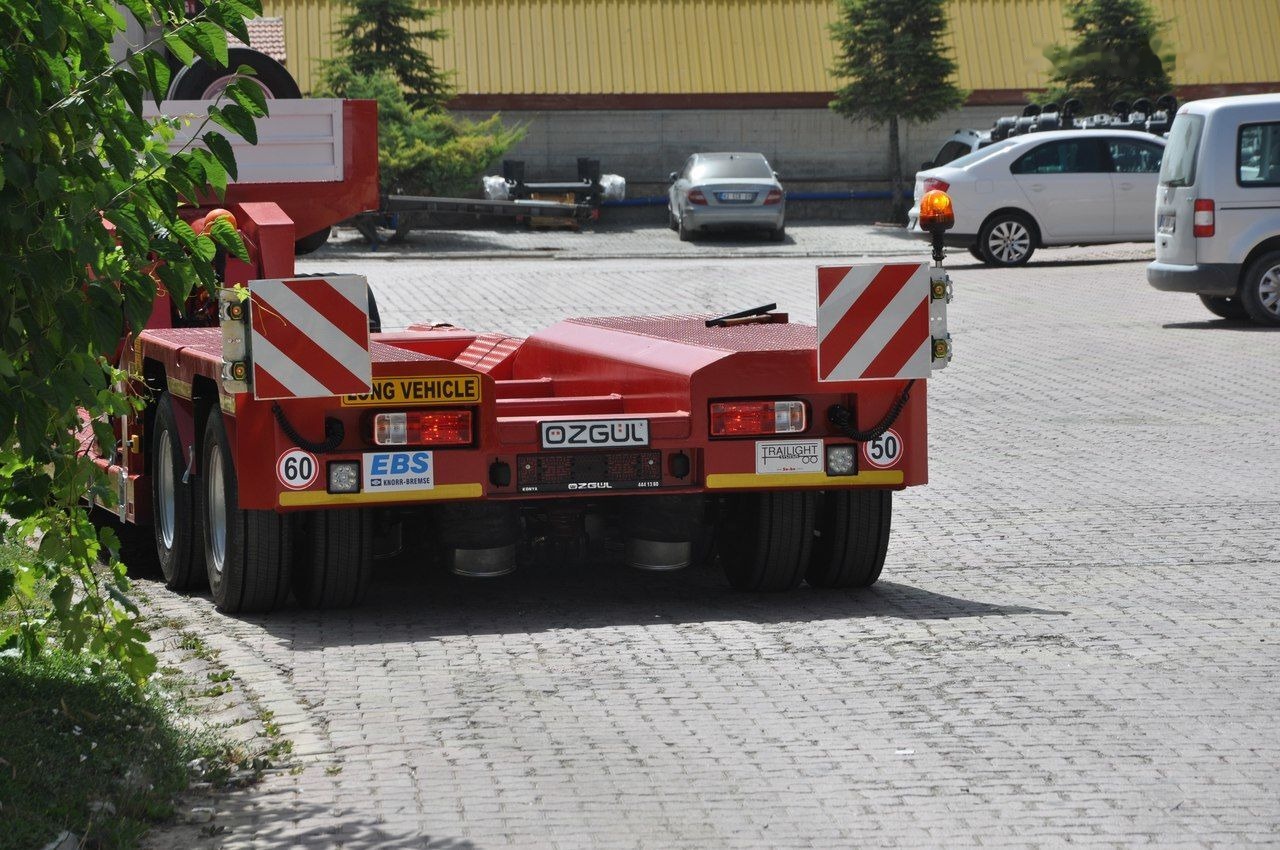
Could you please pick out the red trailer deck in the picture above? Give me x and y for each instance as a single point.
(285, 445)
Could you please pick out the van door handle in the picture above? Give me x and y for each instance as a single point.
(1126, 186)
(1037, 187)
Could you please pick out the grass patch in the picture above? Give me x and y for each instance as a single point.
(88, 752)
(84, 752)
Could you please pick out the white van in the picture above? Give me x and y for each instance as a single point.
(1218, 207)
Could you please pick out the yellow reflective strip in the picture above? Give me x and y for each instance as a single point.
(181, 389)
(317, 498)
(726, 480)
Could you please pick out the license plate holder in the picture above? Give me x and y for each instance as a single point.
(735, 197)
(586, 471)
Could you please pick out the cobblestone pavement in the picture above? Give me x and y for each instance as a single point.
(1074, 641)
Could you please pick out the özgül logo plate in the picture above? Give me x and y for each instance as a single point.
(594, 433)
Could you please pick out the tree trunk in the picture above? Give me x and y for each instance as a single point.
(898, 206)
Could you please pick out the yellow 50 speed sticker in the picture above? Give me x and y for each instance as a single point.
(425, 389)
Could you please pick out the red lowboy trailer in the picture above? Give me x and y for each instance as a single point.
(284, 445)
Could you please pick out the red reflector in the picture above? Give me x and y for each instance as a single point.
(1203, 223)
(446, 427)
(774, 197)
(746, 418)
(931, 183)
(696, 197)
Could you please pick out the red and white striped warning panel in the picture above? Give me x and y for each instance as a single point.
(310, 337)
(873, 322)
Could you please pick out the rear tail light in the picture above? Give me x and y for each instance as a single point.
(747, 418)
(696, 197)
(931, 183)
(1203, 223)
(423, 428)
(774, 196)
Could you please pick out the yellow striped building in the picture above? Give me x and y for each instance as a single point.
(646, 54)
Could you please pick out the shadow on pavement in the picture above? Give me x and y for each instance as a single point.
(249, 817)
(433, 603)
(1220, 325)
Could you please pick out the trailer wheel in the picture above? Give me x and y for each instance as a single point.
(248, 553)
(338, 562)
(175, 505)
(202, 80)
(852, 539)
(312, 242)
(765, 539)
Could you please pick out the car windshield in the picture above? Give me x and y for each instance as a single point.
(981, 153)
(737, 168)
(1179, 165)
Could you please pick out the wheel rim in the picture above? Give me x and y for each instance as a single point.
(165, 504)
(1009, 241)
(219, 85)
(1269, 291)
(216, 499)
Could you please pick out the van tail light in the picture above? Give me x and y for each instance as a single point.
(423, 428)
(774, 197)
(931, 183)
(1203, 223)
(696, 197)
(750, 418)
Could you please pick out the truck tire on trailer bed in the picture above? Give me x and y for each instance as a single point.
(852, 539)
(175, 506)
(202, 80)
(337, 563)
(766, 538)
(311, 242)
(248, 553)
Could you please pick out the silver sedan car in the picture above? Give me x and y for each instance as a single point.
(726, 191)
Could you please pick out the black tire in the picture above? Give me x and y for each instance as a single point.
(1260, 289)
(248, 553)
(765, 539)
(335, 571)
(852, 538)
(175, 506)
(779, 235)
(672, 224)
(313, 242)
(976, 254)
(1007, 239)
(196, 80)
(686, 235)
(1224, 306)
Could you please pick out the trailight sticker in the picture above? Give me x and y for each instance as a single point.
(390, 471)
(788, 456)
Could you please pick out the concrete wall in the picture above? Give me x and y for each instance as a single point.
(809, 148)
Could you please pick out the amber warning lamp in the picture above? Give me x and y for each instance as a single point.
(937, 217)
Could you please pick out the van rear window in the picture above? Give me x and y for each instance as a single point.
(1258, 155)
(1178, 168)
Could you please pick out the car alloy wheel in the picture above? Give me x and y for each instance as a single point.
(1006, 240)
(1260, 289)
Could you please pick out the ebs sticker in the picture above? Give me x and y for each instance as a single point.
(387, 471)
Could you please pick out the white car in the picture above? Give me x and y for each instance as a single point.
(1062, 187)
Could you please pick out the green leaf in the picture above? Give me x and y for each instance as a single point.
(248, 94)
(221, 148)
(130, 87)
(229, 238)
(141, 13)
(214, 173)
(236, 119)
(179, 48)
(157, 75)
